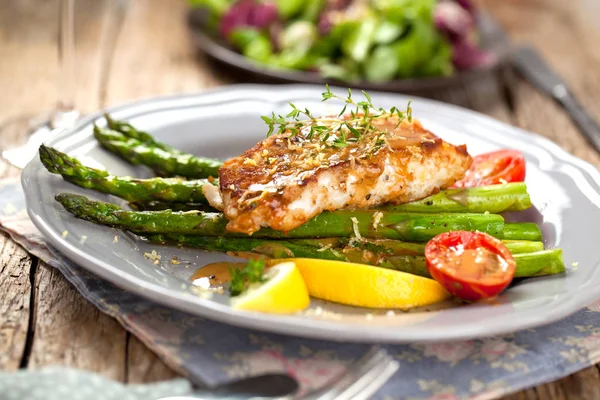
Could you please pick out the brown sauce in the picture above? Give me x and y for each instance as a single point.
(214, 275)
(407, 134)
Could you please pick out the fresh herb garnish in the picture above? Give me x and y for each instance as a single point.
(343, 131)
(376, 249)
(241, 278)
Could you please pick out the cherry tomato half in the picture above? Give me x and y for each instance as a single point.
(493, 168)
(470, 265)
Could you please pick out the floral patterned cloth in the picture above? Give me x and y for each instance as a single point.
(212, 352)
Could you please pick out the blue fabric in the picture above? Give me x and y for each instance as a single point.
(56, 383)
(214, 352)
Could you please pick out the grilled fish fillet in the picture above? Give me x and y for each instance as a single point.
(286, 179)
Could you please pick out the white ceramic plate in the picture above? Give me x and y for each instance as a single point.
(222, 123)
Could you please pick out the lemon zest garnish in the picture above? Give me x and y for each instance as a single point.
(325, 248)
(377, 219)
(355, 228)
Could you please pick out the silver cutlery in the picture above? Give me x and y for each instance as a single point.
(363, 378)
(533, 68)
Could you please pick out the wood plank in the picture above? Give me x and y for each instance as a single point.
(15, 299)
(143, 365)
(539, 114)
(67, 330)
(155, 55)
(485, 95)
(527, 394)
(28, 33)
(10, 133)
(582, 385)
(15, 268)
(70, 331)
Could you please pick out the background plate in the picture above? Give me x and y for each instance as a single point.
(224, 122)
(492, 39)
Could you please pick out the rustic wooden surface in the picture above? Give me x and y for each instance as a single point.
(42, 318)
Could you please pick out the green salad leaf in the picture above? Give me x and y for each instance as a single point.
(344, 70)
(259, 49)
(312, 9)
(359, 42)
(289, 8)
(382, 65)
(298, 35)
(379, 40)
(388, 31)
(242, 37)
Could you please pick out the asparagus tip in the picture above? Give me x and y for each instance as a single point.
(97, 130)
(66, 198)
(84, 208)
(109, 120)
(48, 158)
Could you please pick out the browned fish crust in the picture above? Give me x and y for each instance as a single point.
(285, 180)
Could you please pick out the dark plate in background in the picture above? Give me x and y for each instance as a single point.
(493, 39)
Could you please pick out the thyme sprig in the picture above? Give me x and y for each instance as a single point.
(241, 278)
(341, 131)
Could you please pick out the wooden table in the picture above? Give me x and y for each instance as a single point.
(43, 320)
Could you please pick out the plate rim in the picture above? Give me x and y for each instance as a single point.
(289, 324)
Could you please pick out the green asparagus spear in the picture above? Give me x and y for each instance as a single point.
(522, 231)
(130, 131)
(546, 262)
(157, 205)
(493, 199)
(396, 247)
(271, 248)
(523, 246)
(350, 248)
(334, 248)
(108, 135)
(130, 189)
(540, 263)
(162, 162)
(341, 223)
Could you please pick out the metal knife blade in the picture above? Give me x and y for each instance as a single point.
(533, 68)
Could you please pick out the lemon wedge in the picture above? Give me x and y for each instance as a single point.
(367, 286)
(283, 292)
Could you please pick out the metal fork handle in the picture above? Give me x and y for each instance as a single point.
(363, 378)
